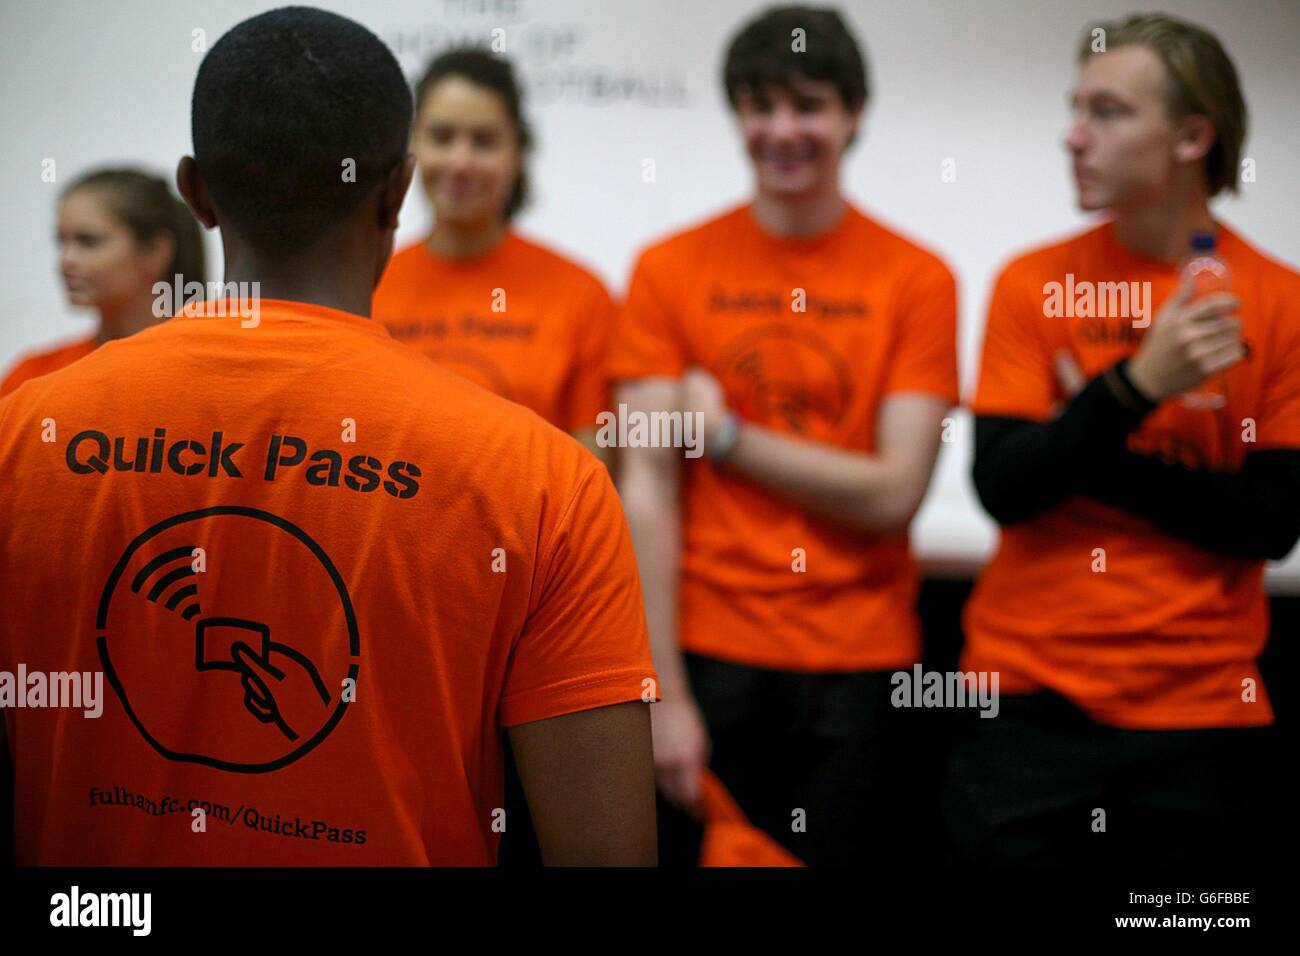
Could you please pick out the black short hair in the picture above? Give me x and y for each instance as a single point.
(485, 69)
(764, 52)
(281, 102)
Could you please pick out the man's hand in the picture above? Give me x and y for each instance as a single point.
(1188, 342)
(1068, 375)
(284, 690)
(702, 392)
(681, 751)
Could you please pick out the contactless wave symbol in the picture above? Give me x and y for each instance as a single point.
(169, 655)
(187, 593)
(219, 641)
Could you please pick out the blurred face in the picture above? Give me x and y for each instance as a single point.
(100, 261)
(1124, 147)
(795, 136)
(467, 150)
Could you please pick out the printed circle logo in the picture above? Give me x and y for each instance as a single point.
(786, 379)
(228, 635)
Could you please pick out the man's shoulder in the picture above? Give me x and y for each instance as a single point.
(554, 264)
(394, 388)
(404, 270)
(687, 243)
(897, 247)
(34, 364)
(70, 368)
(170, 353)
(1050, 260)
(1271, 268)
(59, 355)
(407, 258)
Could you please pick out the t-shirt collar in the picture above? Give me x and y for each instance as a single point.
(280, 309)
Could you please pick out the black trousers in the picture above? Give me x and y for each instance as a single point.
(1030, 787)
(785, 742)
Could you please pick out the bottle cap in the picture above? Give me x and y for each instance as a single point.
(1203, 241)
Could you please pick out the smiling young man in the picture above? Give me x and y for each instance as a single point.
(820, 348)
(321, 575)
(1124, 608)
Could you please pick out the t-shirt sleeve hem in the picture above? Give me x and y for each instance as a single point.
(1277, 443)
(948, 394)
(574, 695)
(632, 372)
(1007, 410)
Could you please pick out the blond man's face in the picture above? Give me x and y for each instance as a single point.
(1121, 139)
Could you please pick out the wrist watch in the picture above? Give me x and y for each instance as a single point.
(724, 440)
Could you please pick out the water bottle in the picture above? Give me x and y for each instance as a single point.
(1208, 274)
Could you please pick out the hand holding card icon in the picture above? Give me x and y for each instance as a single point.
(215, 637)
(281, 686)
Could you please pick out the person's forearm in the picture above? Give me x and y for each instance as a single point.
(1023, 467)
(1253, 513)
(654, 520)
(853, 489)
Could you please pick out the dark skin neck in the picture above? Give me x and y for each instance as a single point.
(325, 274)
(340, 267)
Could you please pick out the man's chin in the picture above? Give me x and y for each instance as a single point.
(787, 187)
(1091, 202)
(463, 216)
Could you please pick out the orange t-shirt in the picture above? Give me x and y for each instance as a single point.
(1165, 636)
(729, 838)
(521, 321)
(807, 336)
(319, 574)
(43, 363)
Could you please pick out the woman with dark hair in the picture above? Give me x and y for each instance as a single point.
(120, 231)
(499, 309)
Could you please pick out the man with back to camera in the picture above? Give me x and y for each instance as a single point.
(319, 575)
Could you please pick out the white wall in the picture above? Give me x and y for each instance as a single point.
(614, 82)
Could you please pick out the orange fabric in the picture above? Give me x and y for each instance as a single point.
(879, 318)
(1165, 636)
(43, 363)
(521, 321)
(729, 838)
(466, 564)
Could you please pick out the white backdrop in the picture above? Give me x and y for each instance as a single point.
(614, 82)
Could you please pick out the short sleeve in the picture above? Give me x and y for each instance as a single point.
(587, 391)
(1016, 379)
(648, 338)
(585, 643)
(1279, 410)
(924, 358)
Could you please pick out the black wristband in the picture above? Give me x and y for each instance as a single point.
(1134, 396)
